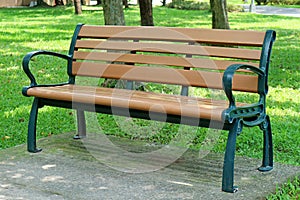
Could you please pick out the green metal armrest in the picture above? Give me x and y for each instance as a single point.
(26, 61)
(246, 111)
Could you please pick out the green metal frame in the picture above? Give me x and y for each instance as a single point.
(234, 118)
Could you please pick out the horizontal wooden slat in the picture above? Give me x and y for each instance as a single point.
(224, 52)
(158, 60)
(98, 48)
(145, 101)
(163, 75)
(211, 36)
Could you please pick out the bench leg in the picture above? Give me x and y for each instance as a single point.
(228, 167)
(31, 137)
(81, 125)
(267, 163)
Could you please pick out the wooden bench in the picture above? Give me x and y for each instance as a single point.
(225, 60)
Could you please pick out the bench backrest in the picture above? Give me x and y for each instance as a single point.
(180, 56)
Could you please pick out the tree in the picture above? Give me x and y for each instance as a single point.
(50, 3)
(113, 12)
(125, 3)
(113, 15)
(78, 8)
(146, 12)
(219, 14)
(59, 2)
(39, 2)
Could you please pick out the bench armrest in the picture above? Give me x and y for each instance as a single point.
(29, 56)
(227, 86)
(26, 61)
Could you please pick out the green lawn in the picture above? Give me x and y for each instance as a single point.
(24, 30)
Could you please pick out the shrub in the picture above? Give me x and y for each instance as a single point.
(278, 2)
(188, 5)
(195, 5)
(285, 2)
(262, 1)
(234, 8)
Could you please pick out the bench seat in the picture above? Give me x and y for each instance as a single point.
(139, 100)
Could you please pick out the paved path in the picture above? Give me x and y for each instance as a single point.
(273, 10)
(65, 169)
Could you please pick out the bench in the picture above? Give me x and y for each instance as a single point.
(230, 61)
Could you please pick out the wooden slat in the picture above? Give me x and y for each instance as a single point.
(223, 52)
(97, 46)
(163, 75)
(158, 60)
(145, 101)
(211, 36)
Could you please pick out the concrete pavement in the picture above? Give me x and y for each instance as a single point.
(273, 10)
(66, 169)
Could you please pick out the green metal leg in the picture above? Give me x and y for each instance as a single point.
(228, 167)
(31, 137)
(81, 125)
(267, 163)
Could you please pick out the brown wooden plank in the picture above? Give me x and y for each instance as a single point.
(223, 52)
(163, 75)
(158, 60)
(145, 101)
(211, 36)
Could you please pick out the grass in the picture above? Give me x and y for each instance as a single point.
(290, 190)
(24, 30)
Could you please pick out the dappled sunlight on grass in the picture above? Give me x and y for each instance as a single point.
(10, 68)
(288, 96)
(182, 18)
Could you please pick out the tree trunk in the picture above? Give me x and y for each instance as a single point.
(78, 8)
(113, 15)
(69, 2)
(41, 3)
(146, 12)
(219, 14)
(125, 3)
(59, 2)
(113, 12)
